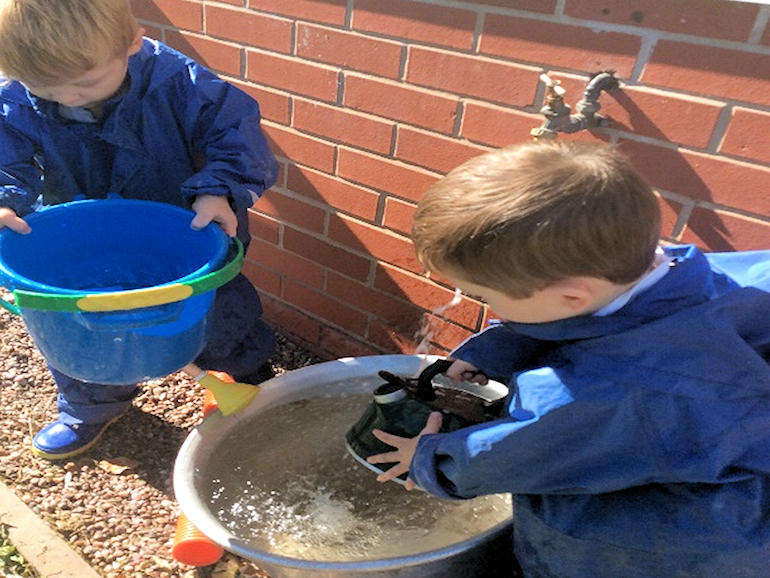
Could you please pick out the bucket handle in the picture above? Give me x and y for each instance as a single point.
(8, 306)
(133, 299)
(129, 321)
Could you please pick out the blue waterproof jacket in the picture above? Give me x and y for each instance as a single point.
(177, 132)
(635, 444)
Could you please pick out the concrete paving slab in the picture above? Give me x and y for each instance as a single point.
(45, 550)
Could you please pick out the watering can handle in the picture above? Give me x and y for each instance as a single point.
(425, 379)
(133, 299)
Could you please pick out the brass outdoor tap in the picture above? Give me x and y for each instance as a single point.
(558, 117)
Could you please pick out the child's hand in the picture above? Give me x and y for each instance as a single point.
(405, 448)
(9, 219)
(214, 208)
(463, 371)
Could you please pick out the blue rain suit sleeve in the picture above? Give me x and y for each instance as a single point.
(548, 445)
(225, 126)
(671, 389)
(20, 176)
(498, 351)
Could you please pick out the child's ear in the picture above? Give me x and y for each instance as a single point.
(136, 43)
(576, 294)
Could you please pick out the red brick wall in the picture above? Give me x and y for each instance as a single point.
(368, 102)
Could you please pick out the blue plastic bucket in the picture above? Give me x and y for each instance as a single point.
(113, 248)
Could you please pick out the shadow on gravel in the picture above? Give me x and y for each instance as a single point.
(147, 441)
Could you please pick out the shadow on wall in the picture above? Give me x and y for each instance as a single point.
(354, 292)
(664, 167)
(371, 305)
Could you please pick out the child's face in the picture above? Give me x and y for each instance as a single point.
(93, 86)
(88, 89)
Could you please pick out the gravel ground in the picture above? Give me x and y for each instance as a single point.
(115, 504)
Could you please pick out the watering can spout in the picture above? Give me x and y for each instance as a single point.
(231, 396)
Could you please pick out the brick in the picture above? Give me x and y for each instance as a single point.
(496, 126)
(292, 75)
(398, 215)
(299, 147)
(152, 31)
(560, 45)
(177, 13)
(427, 294)
(296, 323)
(262, 279)
(283, 163)
(710, 71)
(416, 21)
(295, 211)
(287, 264)
(213, 54)
(433, 152)
(703, 177)
(333, 191)
(370, 240)
(263, 228)
(397, 101)
(273, 105)
(320, 251)
(396, 312)
(391, 339)
(383, 174)
(748, 135)
(320, 305)
(687, 120)
(328, 11)
(336, 344)
(349, 50)
(443, 334)
(708, 18)
(669, 215)
(344, 126)
(723, 231)
(593, 135)
(541, 6)
(473, 75)
(249, 28)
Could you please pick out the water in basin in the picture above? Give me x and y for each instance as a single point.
(284, 483)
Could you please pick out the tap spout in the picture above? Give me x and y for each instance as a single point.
(558, 116)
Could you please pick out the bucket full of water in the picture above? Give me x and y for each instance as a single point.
(116, 291)
(274, 483)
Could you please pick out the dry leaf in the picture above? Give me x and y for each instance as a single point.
(117, 465)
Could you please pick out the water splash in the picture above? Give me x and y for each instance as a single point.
(424, 334)
(287, 493)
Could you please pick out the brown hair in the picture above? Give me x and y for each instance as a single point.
(47, 41)
(522, 217)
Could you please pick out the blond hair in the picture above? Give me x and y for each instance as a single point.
(47, 41)
(522, 217)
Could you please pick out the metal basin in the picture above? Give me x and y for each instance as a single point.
(486, 554)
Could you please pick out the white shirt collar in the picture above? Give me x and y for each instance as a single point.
(662, 262)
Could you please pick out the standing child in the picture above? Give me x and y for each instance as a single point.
(90, 108)
(636, 441)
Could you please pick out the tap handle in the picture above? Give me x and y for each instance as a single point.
(552, 85)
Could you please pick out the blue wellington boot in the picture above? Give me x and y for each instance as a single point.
(59, 440)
